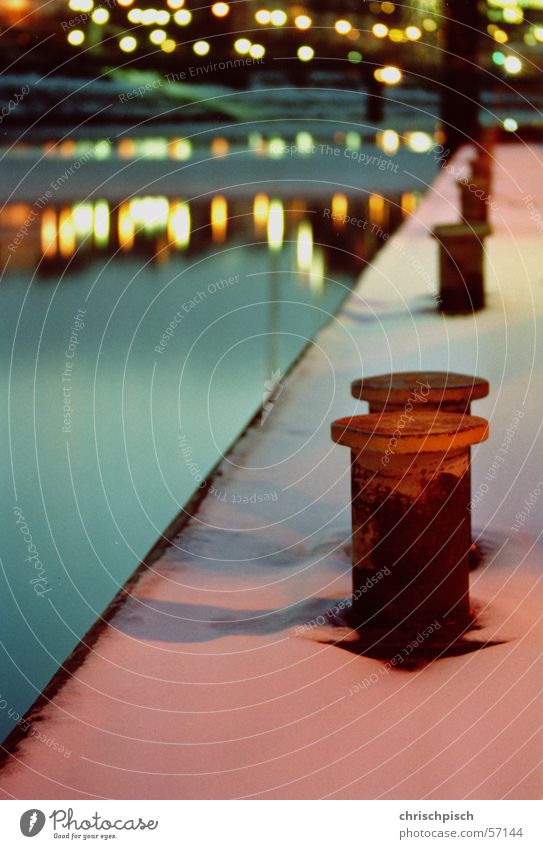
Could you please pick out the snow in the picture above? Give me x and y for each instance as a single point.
(204, 685)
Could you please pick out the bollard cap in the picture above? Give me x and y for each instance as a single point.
(414, 432)
(433, 387)
(472, 230)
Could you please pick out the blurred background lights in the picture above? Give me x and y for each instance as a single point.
(201, 48)
(380, 30)
(278, 18)
(157, 36)
(168, 46)
(513, 15)
(512, 65)
(81, 5)
(354, 56)
(175, 4)
(538, 33)
(100, 16)
(128, 43)
(242, 46)
(220, 10)
(420, 142)
(498, 57)
(263, 17)
(183, 17)
(76, 37)
(257, 51)
(413, 33)
(303, 21)
(135, 16)
(389, 75)
(125, 2)
(343, 27)
(510, 125)
(305, 53)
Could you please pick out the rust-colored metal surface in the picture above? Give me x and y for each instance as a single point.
(461, 266)
(410, 516)
(427, 390)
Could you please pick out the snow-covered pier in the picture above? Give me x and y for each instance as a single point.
(211, 680)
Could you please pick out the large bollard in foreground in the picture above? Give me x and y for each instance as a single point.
(410, 391)
(410, 515)
(461, 266)
(423, 390)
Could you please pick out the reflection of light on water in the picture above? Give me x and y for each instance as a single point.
(276, 148)
(179, 225)
(388, 141)
(219, 218)
(154, 148)
(340, 207)
(256, 143)
(126, 227)
(276, 225)
(180, 149)
(67, 148)
(419, 142)
(304, 246)
(219, 147)
(102, 149)
(304, 142)
(126, 149)
(409, 203)
(101, 223)
(83, 219)
(66, 233)
(353, 140)
(48, 233)
(261, 206)
(376, 208)
(316, 272)
(151, 213)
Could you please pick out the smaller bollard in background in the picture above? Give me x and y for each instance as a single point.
(461, 266)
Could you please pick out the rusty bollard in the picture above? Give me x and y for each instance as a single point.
(461, 266)
(410, 517)
(423, 390)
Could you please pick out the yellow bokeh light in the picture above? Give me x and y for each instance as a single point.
(81, 5)
(183, 17)
(168, 45)
(128, 43)
(76, 37)
(220, 10)
(179, 224)
(261, 205)
(157, 36)
(388, 75)
(125, 2)
(219, 147)
(278, 18)
(66, 233)
(387, 8)
(257, 51)
(413, 33)
(429, 25)
(343, 27)
(242, 46)
(100, 16)
(162, 17)
(396, 35)
(276, 225)
(538, 33)
(389, 141)
(303, 21)
(175, 4)
(513, 65)
(305, 53)
(219, 218)
(513, 15)
(501, 36)
(340, 207)
(48, 232)
(134, 16)
(201, 48)
(263, 17)
(125, 227)
(380, 30)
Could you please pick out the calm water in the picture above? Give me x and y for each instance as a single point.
(138, 339)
